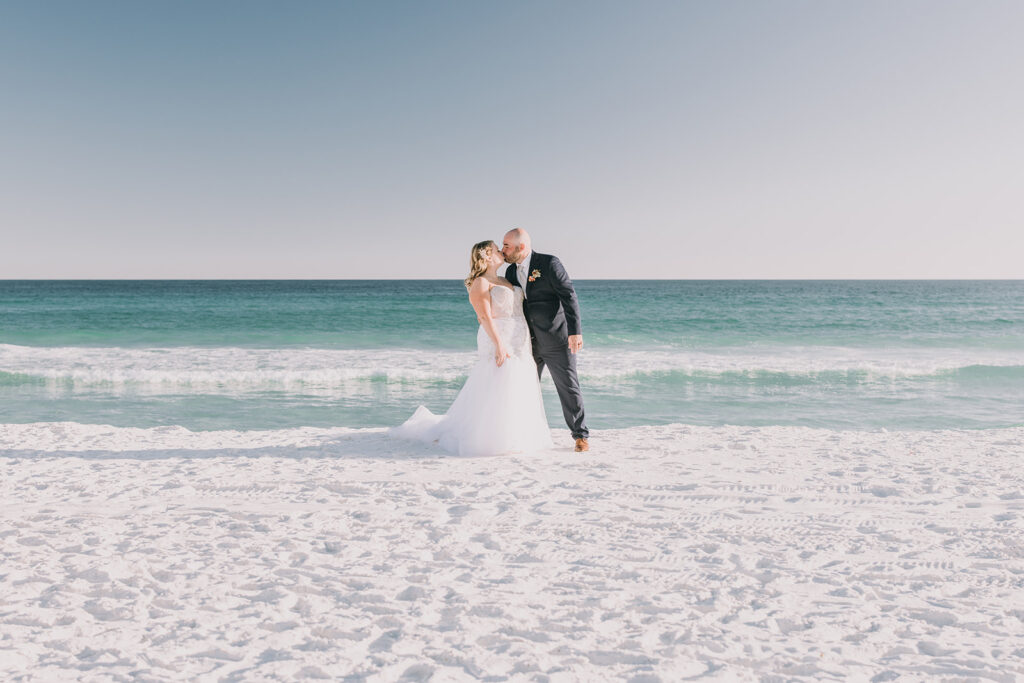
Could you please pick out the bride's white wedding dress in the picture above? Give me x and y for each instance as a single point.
(498, 409)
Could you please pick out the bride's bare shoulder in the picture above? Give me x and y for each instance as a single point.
(479, 287)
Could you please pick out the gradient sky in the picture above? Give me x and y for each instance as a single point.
(786, 139)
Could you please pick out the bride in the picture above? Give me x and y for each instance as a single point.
(499, 408)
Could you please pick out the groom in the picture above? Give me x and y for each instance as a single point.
(553, 314)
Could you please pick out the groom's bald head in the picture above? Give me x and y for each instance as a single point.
(516, 245)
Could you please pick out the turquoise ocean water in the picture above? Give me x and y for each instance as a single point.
(279, 354)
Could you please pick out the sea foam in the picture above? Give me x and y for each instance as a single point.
(212, 369)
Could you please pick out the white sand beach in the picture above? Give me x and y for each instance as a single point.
(726, 553)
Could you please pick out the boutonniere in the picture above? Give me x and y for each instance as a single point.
(534, 275)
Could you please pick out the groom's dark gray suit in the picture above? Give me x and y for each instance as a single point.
(553, 313)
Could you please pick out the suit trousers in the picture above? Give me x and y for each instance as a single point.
(562, 366)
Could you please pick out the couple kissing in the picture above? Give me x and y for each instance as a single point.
(529, 320)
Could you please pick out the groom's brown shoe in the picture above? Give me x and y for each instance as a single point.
(582, 445)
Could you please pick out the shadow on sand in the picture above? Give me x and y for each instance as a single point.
(360, 445)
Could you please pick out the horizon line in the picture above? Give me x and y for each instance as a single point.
(455, 279)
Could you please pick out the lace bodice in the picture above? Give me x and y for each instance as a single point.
(506, 303)
(509, 322)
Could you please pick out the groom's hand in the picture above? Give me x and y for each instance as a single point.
(575, 343)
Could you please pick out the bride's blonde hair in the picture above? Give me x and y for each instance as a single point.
(478, 260)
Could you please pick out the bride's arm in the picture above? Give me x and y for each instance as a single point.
(479, 296)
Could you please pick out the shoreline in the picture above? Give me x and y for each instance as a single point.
(73, 439)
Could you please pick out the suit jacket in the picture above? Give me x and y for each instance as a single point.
(550, 307)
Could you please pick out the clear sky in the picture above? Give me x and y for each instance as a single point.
(716, 139)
